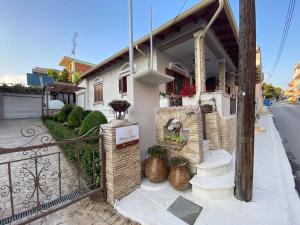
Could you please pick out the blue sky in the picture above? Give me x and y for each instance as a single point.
(38, 33)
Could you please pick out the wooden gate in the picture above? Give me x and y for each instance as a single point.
(43, 176)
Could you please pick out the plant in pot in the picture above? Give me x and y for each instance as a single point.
(179, 176)
(156, 169)
(188, 95)
(120, 109)
(207, 105)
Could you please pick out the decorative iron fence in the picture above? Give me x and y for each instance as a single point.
(37, 179)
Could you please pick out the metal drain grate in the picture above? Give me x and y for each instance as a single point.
(45, 206)
(185, 209)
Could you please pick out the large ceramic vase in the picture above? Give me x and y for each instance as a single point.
(156, 169)
(179, 177)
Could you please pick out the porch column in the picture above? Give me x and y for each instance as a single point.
(232, 84)
(200, 62)
(222, 77)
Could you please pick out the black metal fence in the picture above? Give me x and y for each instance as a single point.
(37, 179)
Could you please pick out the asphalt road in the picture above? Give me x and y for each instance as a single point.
(287, 120)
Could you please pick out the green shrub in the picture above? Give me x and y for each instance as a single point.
(157, 151)
(47, 117)
(93, 119)
(55, 117)
(87, 152)
(63, 114)
(85, 113)
(75, 117)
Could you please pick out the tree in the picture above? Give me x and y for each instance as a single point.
(64, 76)
(54, 74)
(270, 91)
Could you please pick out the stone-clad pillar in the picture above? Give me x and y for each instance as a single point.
(222, 75)
(200, 76)
(123, 166)
(232, 84)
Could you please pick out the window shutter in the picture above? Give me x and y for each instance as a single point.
(170, 85)
(120, 85)
(124, 84)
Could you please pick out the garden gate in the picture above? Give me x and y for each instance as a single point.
(44, 176)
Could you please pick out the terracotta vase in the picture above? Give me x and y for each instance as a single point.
(156, 169)
(179, 177)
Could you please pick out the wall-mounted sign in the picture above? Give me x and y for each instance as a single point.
(127, 136)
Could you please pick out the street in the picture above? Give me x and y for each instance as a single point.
(287, 121)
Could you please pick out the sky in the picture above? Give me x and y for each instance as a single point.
(39, 33)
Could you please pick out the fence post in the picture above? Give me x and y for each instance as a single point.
(123, 166)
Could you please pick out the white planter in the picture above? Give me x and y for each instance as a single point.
(119, 123)
(164, 102)
(187, 101)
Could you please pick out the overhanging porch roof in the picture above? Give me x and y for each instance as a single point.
(224, 27)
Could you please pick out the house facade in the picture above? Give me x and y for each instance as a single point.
(75, 66)
(293, 90)
(184, 55)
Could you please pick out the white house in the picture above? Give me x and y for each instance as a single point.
(187, 50)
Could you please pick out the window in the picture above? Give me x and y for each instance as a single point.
(123, 84)
(98, 92)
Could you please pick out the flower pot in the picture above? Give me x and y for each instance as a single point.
(119, 123)
(179, 177)
(156, 169)
(206, 108)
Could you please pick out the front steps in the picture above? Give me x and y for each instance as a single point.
(215, 176)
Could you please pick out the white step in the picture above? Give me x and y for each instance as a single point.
(216, 163)
(213, 188)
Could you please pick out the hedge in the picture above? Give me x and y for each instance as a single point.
(89, 151)
(63, 114)
(93, 119)
(75, 117)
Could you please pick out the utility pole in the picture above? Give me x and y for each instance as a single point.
(246, 102)
(130, 34)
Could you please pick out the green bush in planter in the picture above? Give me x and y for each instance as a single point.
(93, 119)
(75, 117)
(63, 114)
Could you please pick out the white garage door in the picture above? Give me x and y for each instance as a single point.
(21, 106)
(81, 100)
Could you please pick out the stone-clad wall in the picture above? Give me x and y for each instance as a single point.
(192, 126)
(228, 133)
(213, 134)
(123, 167)
(221, 131)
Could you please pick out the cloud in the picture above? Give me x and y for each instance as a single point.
(12, 78)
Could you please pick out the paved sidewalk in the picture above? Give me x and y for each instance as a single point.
(275, 200)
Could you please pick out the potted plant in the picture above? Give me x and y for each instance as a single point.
(179, 176)
(119, 108)
(207, 106)
(156, 169)
(188, 94)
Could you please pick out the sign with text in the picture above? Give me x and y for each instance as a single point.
(127, 136)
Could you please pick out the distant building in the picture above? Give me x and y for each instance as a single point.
(259, 80)
(39, 77)
(75, 66)
(293, 90)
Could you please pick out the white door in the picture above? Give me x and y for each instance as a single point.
(22, 106)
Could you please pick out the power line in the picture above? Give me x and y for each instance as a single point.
(184, 3)
(286, 29)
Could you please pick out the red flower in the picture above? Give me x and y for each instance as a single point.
(188, 91)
